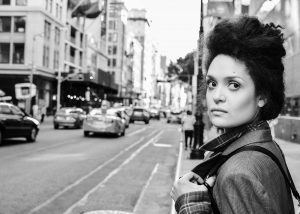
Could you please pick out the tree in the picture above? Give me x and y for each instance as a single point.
(187, 65)
(183, 68)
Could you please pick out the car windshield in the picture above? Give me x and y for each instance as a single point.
(68, 111)
(97, 112)
(138, 109)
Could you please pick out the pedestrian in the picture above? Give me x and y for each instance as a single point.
(188, 128)
(43, 113)
(244, 89)
(35, 111)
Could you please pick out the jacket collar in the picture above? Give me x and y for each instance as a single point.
(241, 134)
(257, 136)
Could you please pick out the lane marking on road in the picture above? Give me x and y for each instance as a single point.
(106, 212)
(135, 132)
(162, 145)
(84, 199)
(77, 182)
(145, 187)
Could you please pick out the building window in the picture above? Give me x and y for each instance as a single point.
(47, 30)
(56, 10)
(108, 62)
(4, 2)
(56, 59)
(20, 24)
(110, 37)
(4, 52)
(112, 25)
(114, 62)
(46, 56)
(57, 36)
(60, 12)
(5, 23)
(18, 53)
(21, 2)
(115, 37)
(109, 51)
(50, 6)
(114, 50)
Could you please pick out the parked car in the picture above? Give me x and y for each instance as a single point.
(69, 117)
(140, 114)
(155, 113)
(104, 121)
(15, 123)
(174, 116)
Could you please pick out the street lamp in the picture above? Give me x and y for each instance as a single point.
(32, 68)
(199, 126)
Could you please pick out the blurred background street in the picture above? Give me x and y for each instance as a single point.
(93, 92)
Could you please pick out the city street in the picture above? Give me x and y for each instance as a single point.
(65, 172)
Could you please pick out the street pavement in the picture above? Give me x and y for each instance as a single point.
(140, 187)
(67, 173)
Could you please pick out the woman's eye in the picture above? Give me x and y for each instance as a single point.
(234, 85)
(211, 84)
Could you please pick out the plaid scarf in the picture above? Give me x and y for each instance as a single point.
(219, 144)
(223, 141)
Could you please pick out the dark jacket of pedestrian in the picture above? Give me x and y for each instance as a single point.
(243, 184)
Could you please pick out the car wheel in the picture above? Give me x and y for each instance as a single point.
(123, 133)
(146, 121)
(168, 121)
(56, 126)
(86, 133)
(32, 136)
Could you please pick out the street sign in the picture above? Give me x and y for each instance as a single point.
(25, 90)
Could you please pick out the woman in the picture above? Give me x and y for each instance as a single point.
(245, 88)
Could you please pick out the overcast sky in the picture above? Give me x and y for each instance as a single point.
(174, 26)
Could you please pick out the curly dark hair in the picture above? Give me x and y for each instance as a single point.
(260, 47)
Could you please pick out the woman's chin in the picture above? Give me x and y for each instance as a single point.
(221, 124)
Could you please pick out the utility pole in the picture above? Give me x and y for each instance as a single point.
(199, 126)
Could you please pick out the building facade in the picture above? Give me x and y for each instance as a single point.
(30, 47)
(41, 39)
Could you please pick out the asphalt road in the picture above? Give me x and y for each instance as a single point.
(65, 172)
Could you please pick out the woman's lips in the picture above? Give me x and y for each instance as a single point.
(218, 111)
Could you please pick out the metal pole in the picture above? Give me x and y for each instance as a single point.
(61, 66)
(31, 74)
(199, 126)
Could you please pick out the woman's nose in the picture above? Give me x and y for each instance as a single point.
(218, 95)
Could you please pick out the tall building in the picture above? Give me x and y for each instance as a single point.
(138, 23)
(85, 55)
(30, 47)
(41, 40)
(134, 51)
(116, 40)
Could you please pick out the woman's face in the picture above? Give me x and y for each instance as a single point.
(230, 94)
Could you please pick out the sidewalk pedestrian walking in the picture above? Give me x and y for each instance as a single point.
(188, 128)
